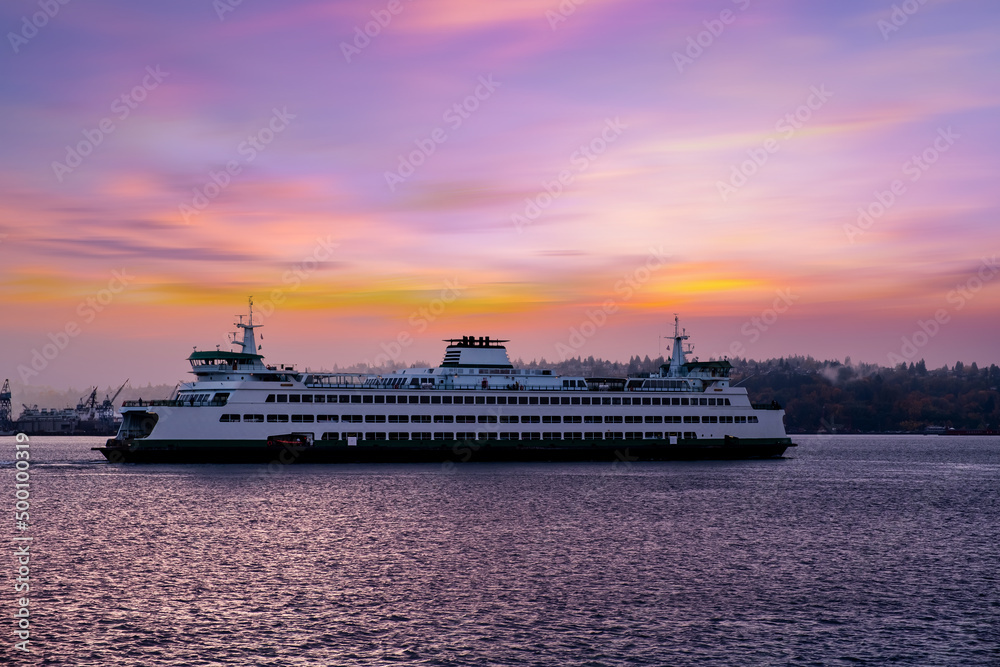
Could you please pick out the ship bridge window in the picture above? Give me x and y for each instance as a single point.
(269, 399)
(274, 419)
(282, 398)
(221, 398)
(229, 418)
(253, 418)
(294, 398)
(307, 398)
(319, 398)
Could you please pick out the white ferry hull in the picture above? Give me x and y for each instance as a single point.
(475, 406)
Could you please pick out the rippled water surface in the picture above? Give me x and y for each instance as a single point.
(853, 550)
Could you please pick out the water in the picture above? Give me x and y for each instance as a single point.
(854, 550)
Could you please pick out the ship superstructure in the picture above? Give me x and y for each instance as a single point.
(473, 406)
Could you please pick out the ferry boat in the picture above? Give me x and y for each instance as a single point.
(474, 406)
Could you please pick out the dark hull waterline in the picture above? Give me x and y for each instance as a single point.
(442, 452)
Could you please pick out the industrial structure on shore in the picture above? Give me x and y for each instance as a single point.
(89, 417)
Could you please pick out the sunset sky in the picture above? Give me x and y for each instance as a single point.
(564, 175)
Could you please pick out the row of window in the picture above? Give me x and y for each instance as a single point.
(494, 400)
(493, 419)
(546, 435)
(219, 398)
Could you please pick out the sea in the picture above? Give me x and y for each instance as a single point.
(850, 550)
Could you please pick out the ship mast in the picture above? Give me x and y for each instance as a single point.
(677, 361)
(248, 343)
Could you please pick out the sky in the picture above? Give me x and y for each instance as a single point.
(787, 177)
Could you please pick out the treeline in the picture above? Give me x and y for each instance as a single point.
(840, 397)
(831, 396)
